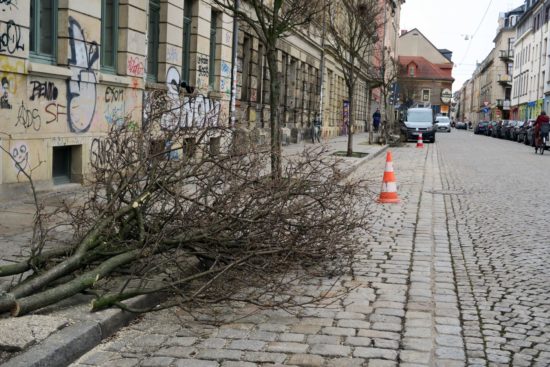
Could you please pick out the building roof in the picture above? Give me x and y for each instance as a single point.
(440, 50)
(425, 69)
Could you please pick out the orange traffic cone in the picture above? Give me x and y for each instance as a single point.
(388, 193)
(419, 142)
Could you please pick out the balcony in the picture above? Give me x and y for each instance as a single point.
(505, 80)
(507, 55)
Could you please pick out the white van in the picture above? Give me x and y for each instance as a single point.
(419, 120)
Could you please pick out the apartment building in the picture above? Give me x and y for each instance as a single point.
(71, 69)
(425, 77)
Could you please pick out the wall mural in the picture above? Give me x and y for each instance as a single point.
(82, 86)
(5, 94)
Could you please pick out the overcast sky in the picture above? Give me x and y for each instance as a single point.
(446, 23)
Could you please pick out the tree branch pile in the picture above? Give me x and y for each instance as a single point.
(179, 208)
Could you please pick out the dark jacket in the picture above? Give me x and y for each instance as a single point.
(376, 117)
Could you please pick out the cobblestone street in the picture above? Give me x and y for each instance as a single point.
(454, 275)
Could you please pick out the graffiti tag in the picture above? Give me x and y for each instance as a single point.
(46, 90)
(202, 66)
(81, 87)
(10, 39)
(135, 66)
(28, 118)
(114, 94)
(54, 110)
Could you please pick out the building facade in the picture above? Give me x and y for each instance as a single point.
(71, 69)
(425, 77)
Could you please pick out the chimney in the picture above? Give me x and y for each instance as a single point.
(403, 31)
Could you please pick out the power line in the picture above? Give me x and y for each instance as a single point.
(477, 29)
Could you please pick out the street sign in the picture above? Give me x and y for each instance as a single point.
(446, 95)
(485, 110)
(486, 103)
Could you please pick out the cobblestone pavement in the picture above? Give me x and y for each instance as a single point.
(454, 275)
(499, 226)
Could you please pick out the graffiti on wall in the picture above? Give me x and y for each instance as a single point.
(135, 66)
(225, 69)
(5, 97)
(54, 111)
(46, 90)
(114, 105)
(20, 156)
(28, 118)
(8, 5)
(81, 87)
(11, 38)
(172, 54)
(202, 65)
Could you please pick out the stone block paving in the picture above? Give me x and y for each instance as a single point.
(401, 308)
(499, 229)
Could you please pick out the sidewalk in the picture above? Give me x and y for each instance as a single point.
(59, 334)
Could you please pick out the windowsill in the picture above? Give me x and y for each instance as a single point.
(150, 84)
(215, 95)
(114, 79)
(37, 68)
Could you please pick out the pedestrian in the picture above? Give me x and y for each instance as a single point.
(542, 125)
(317, 129)
(376, 117)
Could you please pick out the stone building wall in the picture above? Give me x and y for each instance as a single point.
(53, 110)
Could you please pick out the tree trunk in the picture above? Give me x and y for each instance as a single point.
(351, 122)
(85, 281)
(275, 125)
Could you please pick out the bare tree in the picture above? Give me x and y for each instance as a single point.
(384, 77)
(175, 208)
(272, 21)
(353, 34)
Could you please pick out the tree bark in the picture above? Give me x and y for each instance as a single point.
(23, 266)
(275, 124)
(85, 281)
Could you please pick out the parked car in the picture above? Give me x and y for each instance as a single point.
(506, 131)
(481, 127)
(524, 138)
(517, 130)
(419, 120)
(495, 133)
(461, 125)
(531, 135)
(491, 128)
(443, 123)
(511, 130)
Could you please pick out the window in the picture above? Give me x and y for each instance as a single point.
(412, 70)
(212, 65)
(43, 30)
(109, 35)
(153, 39)
(187, 13)
(425, 95)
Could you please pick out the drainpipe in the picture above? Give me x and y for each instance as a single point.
(233, 98)
(322, 68)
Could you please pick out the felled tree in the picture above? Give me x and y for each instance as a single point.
(175, 208)
(271, 21)
(353, 33)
